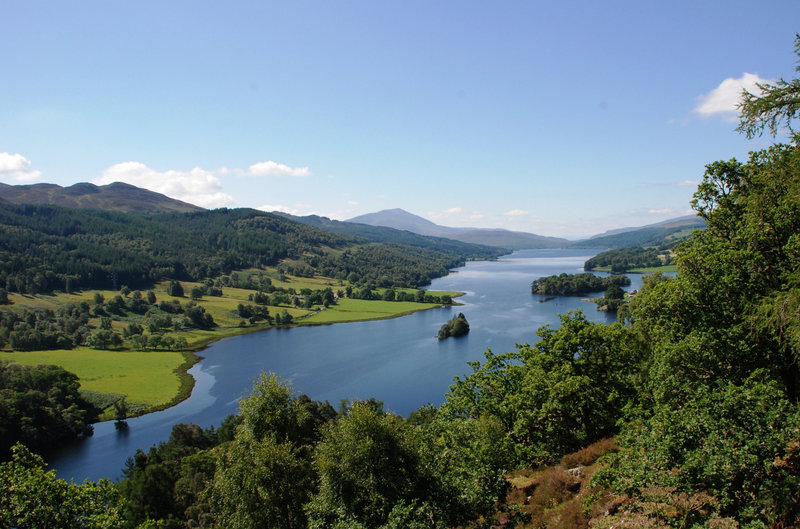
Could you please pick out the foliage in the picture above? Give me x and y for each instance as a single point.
(626, 259)
(40, 406)
(367, 462)
(28, 330)
(457, 326)
(724, 441)
(562, 393)
(46, 248)
(716, 428)
(264, 477)
(33, 498)
(776, 105)
(175, 289)
(467, 459)
(575, 284)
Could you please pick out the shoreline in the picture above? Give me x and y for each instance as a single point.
(191, 357)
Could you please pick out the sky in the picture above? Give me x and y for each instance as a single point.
(557, 118)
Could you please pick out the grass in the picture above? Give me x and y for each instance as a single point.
(665, 268)
(154, 380)
(360, 310)
(151, 380)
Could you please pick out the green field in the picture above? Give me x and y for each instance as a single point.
(153, 380)
(360, 310)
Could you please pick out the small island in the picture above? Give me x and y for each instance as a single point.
(576, 284)
(457, 326)
(612, 300)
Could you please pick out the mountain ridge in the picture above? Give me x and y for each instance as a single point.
(117, 196)
(401, 219)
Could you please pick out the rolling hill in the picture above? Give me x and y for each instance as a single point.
(112, 197)
(667, 232)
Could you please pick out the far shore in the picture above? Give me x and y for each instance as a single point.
(155, 380)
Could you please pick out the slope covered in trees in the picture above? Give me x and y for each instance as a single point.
(664, 235)
(626, 259)
(44, 248)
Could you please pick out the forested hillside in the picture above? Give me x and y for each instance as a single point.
(111, 197)
(626, 259)
(646, 236)
(44, 248)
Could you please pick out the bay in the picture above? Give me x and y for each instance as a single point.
(398, 361)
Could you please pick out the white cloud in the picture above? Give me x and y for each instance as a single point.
(517, 213)
(664, 211)
(269, 208)
(477, 216)
(352, 202)
(436, 215)
(685, 183)
(16, 167)
(723, 100)
(270, 168)
(198, 186)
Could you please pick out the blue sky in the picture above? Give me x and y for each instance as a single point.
(559, 118)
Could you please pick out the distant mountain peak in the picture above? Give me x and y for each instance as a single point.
(401, 219)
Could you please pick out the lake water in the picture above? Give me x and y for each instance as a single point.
(398, 361)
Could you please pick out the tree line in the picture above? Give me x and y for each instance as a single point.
(626, 259)
(576, 284)
(46, 248)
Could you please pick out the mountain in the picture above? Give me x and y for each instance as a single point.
(403, 220)
(688, 220)
(391, 235)
(667, 232)
(112, 197)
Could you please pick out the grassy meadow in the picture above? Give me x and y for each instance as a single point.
(155, 379)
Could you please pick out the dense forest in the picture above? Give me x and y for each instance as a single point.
(46, 248)
(576, 284)
(626, 259)
(660, 236)
(40, 406)
(700, 389)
